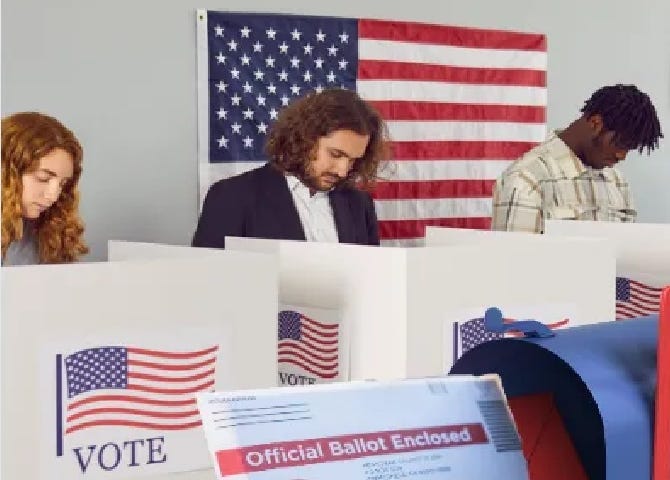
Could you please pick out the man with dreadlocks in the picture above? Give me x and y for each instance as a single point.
(571, 175)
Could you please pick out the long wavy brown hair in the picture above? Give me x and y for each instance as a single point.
(26, 138)
(293, 138)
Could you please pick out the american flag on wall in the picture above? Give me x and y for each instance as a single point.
(310, 345)
(636, 299)
(461, 103)
(114, 386)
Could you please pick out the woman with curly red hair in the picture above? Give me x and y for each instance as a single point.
(324, 151)
(41, 166)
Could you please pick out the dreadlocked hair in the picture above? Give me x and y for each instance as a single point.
(628, 113)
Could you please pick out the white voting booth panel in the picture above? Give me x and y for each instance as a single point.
(397, 301)
(62, 324)
(441, 236)
(642, 248)
(313, 285)
(643, 260)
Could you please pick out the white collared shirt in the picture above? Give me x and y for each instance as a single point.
(315, 212)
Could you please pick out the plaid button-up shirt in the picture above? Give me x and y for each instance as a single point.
(550, 182)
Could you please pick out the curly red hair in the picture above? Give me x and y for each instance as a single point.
(26, 138)
(293, 137)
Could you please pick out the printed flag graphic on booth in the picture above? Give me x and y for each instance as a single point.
(122, 406)
(461, 103)
(636, 299)
(308, 345)
(471, 333)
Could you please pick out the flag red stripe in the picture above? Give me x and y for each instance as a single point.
(175, 391)
(392, 229)
(433, 189)
(317, 341)
(389, 70)
(307, 356)
(309, 369)
(448, 35)
(291, 347)
(408, 110)
(327, 326)
(163, 366)
(132, 411)
(646, 298)
(306, 327)
(175, 355)
(623, 312)
(631, 307)
(131, 398)
(130, 423)
(308, 345)
(648, 289)
(651, 306)
(161, 378)
(459, 150)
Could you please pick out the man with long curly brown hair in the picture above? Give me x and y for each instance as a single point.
(324, 152)
(41, 166)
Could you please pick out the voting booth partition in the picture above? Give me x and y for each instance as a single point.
(440, 236)
(408, 308)
(639, 247)
(643, 260)
(312, 343)
(409, 312)
(101, 362)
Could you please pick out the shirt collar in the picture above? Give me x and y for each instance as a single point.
(569, 163)
(295, 185)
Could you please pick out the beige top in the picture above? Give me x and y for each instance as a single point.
(551, 182)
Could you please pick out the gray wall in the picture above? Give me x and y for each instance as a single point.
(122, 73)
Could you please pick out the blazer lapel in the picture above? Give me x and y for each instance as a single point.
(343, 219)
(280, 203)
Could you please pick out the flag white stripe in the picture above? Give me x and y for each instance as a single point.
(322, 357)
(422, 170)
(406, 131)
(169, 362)
(638, 308)
(158, 384)
(647, 294)
(113, 417)
(91, 395)
(323, 368)
(423, 91)
(321, 350)
(433, 208)
(136, 405)
(206, 369)
(316, 330)
(395, 51)
(632, 312)
(639, 303)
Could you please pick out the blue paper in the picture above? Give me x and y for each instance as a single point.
(603, 378)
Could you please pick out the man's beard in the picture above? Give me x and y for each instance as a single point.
(313, 184)
(311, 181)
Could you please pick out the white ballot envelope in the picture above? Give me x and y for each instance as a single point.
(424, 429)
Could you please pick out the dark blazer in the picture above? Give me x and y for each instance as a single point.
(259, 204)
